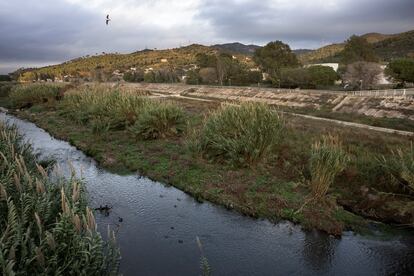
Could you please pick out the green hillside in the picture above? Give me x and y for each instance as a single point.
(386, 47)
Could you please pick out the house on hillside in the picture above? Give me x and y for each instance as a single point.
(164, 60)
(147, 70)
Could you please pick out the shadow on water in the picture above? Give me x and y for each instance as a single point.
(157, 228)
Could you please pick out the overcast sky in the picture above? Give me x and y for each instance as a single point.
(41, 32)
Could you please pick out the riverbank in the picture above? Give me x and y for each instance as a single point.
(161, 223)
(274, 189)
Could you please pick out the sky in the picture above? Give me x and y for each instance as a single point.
(36, 33)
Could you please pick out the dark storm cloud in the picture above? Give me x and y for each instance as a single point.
(40, 31)
(34, 32)
(306, 23)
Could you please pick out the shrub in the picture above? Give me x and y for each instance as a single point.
(242, 135)
(5, 89)
(159, 120)
(46, 227)
(327, 160)
(23, 96)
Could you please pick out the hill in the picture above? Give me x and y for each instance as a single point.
(321, 54)
(302, 51)
(87, 66)
(386, 47)
(397, 46)
(237, 48)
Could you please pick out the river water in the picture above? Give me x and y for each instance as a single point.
(159, 225)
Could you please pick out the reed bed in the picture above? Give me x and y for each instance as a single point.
(22, 96)
(327, 160)
(119, 108)
(401, 167)
(46, 227)
(241, 135)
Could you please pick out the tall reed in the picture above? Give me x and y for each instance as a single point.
(401, 166)
(242, 135)
(159, 120)
(46, 227)
(327, 160)
(120, 108)
(22, 96)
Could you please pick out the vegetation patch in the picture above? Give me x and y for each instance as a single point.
(46, 227)
(22, 96)
(246, 158)
(159, 120)
(242, 135)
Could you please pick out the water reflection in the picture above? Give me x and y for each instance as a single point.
(319, 250)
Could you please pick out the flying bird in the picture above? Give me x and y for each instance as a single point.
(107, 19)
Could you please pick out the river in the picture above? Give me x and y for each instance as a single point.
(157, 226)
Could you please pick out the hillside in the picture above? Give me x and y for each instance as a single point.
(321, 53)
(237, 48)
(178, 58)
(401, 45)
(386, 47)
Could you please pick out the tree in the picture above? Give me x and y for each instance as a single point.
(28, 76)
(402, 70)
(322, 76)
(358, 49)
(363, 74)
(208, 75)
(223, 67)
(293, 78)
(275, 56)
(193, 77)
(203, 60)
(5, 78)
(134, 76)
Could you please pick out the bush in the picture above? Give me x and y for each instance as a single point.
(46, 227)
(134, 76)
(242, 135)
(5, 89)
(327, 160)
(193, 78)
(23, 96)
(159, 120)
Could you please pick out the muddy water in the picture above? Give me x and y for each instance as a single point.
(157, 234)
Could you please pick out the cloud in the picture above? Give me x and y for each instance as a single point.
(38, 32)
